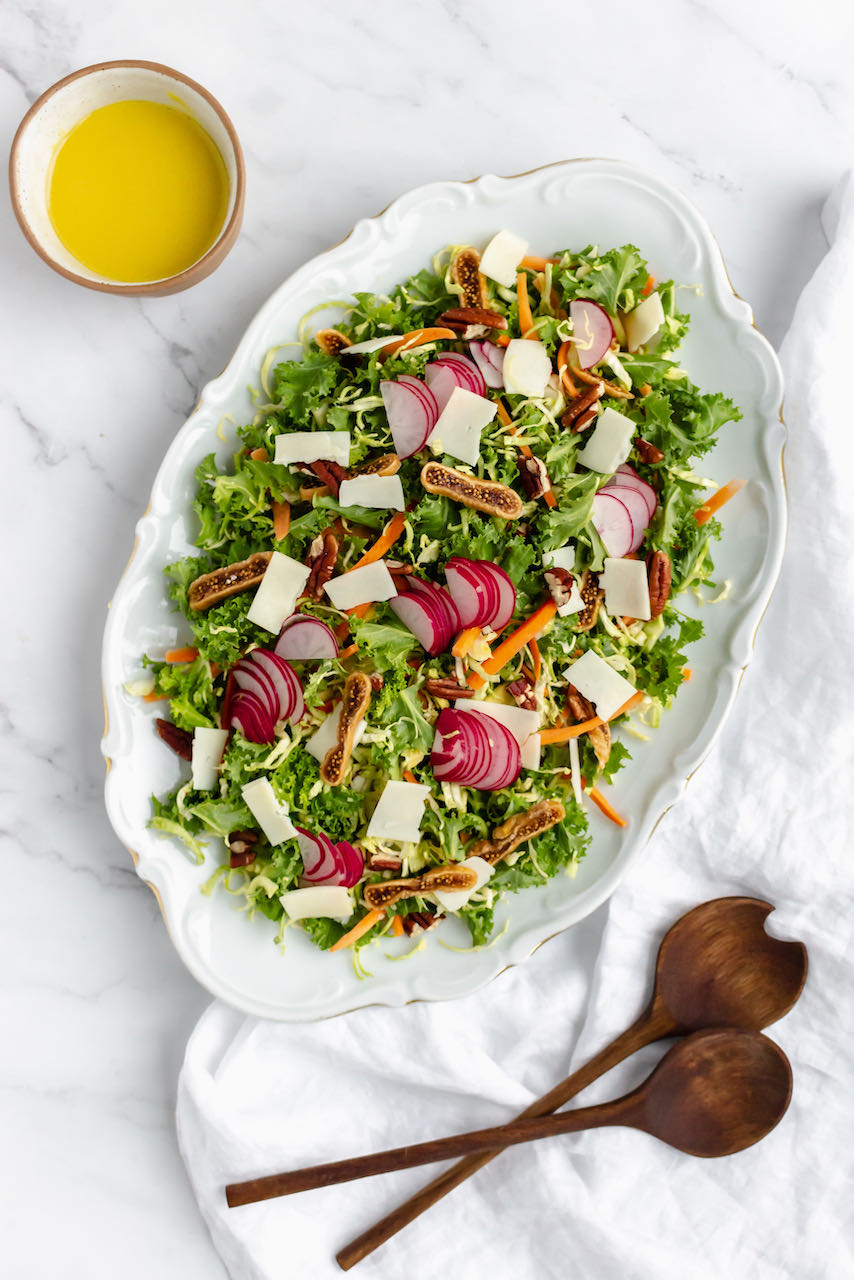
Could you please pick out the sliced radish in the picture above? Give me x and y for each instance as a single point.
(412, 413)
(425, 617)
(442, 599)
(613, 522)
(506, 595)
(627, 475)
(303, 638)
(467, 371)
(592, 331)
(318, 854)
(489, 358)
(250, 715)
(286, 681)
(474, 751)
(354, 863)
(249, 677)
(637, 507)
(474, 593)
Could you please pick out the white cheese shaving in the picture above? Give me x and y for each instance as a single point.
(597, 681)
(372, 491)
(361, 586)
(501, 257)
(399, 811)
(278, 592)
(208, 746)
(309, 446)
(271, 814)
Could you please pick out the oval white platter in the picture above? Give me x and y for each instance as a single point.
(570, 204)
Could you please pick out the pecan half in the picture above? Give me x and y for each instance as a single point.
(331, 341)
(330, 473)
(560, 583)
(483, 495)
(387, 465)
(354, 704)
(448, 688)
(377, 682)
(384, 862)
(648, 453)
(660, 576)
(465, 273)
(384, 893)
(461, 317)
(517, 830)
(592, 595)
(218, 585)
(523, 693)
(608, 388)
(582, 410)
(322, 555)
(533, 475)
(600, 737)
(415, 922)
(241, 850)
(180, 740)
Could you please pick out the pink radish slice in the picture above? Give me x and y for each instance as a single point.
(475, 594)
(412, 413)
(440, 597)
(425, 619)
(626, 475)
(248, 676)
(249, 714)
(467, 371)
(474, 750)
(303, 638)
(613, 523)
(490, 360)
(592, 331)
(286, 681)
(506, 595)
(317, 851)
(354, 863)
(637, 508)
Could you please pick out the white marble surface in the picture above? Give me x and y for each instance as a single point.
(749, 109)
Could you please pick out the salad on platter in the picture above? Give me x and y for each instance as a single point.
(434, 592)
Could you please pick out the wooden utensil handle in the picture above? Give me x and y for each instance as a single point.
(650, 1026)
(326, 1175)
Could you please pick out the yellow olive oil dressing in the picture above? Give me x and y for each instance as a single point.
(138, 191)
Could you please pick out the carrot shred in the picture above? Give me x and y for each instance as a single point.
(526, 319)
(584, 726)
(259, 455)
(348, 652)
(397, 926)
(307, 493)
(563, 371)
(645, 389)
(529, 630)
(416, 338)
(281, 519)
(549, 497)
(359, 930)
(606, 807)
(187, 654)
(503, 415)
(686, 674)
(717, 500)
(409, 776)
(360, 610)
(501, 340)
(154, 696)
(215, 670)
(648, 287)
(387, 539)
(537, 658)
(533, 263)
(464, 641)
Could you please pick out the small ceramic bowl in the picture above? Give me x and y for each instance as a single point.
(67, 102)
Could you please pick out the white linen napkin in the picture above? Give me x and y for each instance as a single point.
(769, 814)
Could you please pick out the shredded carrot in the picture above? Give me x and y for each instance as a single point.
(562, 358)
(409, 776)
(529, 630)
(537, 657)
(188, 654)
(464, 641)
(259, 455)
(648, 287)
(416, 338)
(360, 610)
(576, 730)
(359, 930)
(281, 519)
(348, 652)
(154, 696)
(215, 670)
(686, 674)
(341, 629)
(526, 319)
(503, 415)
(549, 497)
(501, 340)
(397, 926)
(606, 807)
(307, 493)
(645, 389)
(534, 263)
(717, 500)
(387, 539)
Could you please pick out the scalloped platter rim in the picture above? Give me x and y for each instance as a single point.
(568, 204)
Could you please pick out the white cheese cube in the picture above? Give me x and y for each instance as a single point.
(272, 816)
(527, 368)
(373, 491)
(599, 683)
(208, 746)
(330, 901)
(399, 811)
(626, 588)
(278, 592)
(609, 442)
(521, 723)
(324, 738)
(560, 558)
(574, 604)
(361, 586)
(453, 899)
(457, 430)
(308, 446)
(642, 324)
(501, 257)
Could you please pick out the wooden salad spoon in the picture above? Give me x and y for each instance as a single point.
(714, 1093)
(716, 966)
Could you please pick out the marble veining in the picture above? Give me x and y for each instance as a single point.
(746, 109)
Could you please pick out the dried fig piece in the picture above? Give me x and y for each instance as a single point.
(212, 588)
